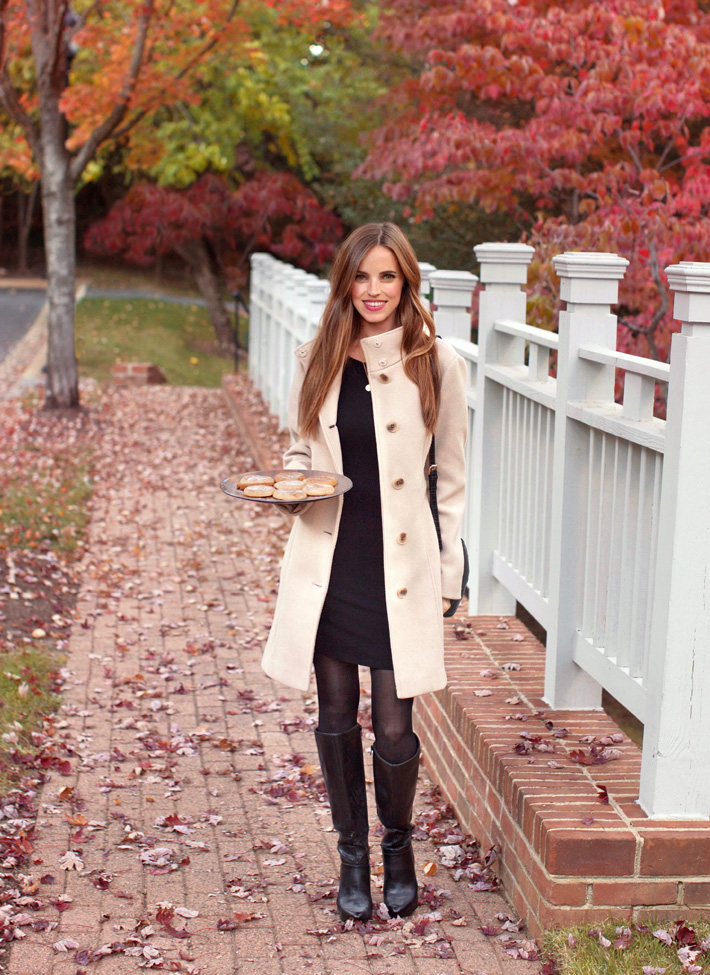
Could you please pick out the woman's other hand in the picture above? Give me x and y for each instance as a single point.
(445, 605)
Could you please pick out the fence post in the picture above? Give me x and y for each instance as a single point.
(674, 772)
(318, 293)
(504, 268)
(291, 296)
(589, 284)
(257, 322)
(425, 269)
(451, 300)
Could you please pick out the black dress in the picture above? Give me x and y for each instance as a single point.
(353, 624)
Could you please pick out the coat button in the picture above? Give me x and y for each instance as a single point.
(382, 362)
(402, 538)
(303, 353)
(392, 427)
(402, 592)
(384, 378)
(398, 483)
(378, 343)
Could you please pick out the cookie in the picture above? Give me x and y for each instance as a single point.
(290, 485)
(289, 476)
(292, 496)
(258, 491)
(316, 490)
(254, 479)
(322, 479)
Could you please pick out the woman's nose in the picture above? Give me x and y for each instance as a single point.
(373, 287)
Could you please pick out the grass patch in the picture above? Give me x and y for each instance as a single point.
(108, 274)
(44, 505)
(177, 338)
(28, 684)
(580, 951)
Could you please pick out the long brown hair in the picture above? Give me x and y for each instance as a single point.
(340, 326)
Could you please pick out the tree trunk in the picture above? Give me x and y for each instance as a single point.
(25, 214)
(59, 212)
(59, 216)
(195, 254)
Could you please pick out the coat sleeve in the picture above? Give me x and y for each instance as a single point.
(298, 454)
(451, 429)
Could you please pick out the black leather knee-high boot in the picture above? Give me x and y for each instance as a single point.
(395, 788)
(344, 773)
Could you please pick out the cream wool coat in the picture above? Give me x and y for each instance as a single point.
(416, 573)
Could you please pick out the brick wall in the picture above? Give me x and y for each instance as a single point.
(136, 374)
(564, 857)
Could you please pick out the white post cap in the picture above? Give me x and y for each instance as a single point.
(318, 292)
(504, 263)
(425, 269)
(453, 288)
(590, 277)
(691, 282)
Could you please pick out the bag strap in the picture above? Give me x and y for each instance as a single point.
(433, 476)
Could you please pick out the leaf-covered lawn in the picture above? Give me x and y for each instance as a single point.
(45, 491)
(177, 338)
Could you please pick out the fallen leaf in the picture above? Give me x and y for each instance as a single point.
(66, 944)
(71, 861)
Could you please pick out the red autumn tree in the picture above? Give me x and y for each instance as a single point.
(214, 230)
(585, 121)
(74, 79)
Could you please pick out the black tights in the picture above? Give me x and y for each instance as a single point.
(338, 699)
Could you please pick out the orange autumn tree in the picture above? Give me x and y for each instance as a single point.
(585, 121)
(77, 77)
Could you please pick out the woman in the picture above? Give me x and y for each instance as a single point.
(363, 581)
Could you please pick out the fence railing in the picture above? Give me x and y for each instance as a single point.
(595, 516)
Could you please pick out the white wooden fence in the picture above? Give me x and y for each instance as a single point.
(594, 516)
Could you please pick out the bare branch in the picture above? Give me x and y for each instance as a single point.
(84, 16)
(9, 98)
(681, 159)
(670, 143)
(660, 312)
(137, 116)
(111, 122)
(56, 25)
(110, 127)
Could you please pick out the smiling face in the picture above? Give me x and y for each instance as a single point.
(377, 290)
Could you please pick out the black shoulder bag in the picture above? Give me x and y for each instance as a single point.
(433, 477)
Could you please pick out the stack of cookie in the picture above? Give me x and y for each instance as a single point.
(287, 485)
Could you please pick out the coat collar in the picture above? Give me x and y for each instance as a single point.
(383, 350)
(380, 351)
(385, 345)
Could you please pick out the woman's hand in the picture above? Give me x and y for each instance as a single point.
(297, 507)
(445, 605)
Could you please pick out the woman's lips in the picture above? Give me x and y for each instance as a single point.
(374, 305)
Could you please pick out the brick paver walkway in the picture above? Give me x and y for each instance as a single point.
(195, 802)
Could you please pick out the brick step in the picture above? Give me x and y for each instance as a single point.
(564, 857)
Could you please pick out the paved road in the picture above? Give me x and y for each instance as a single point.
(18, 310)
